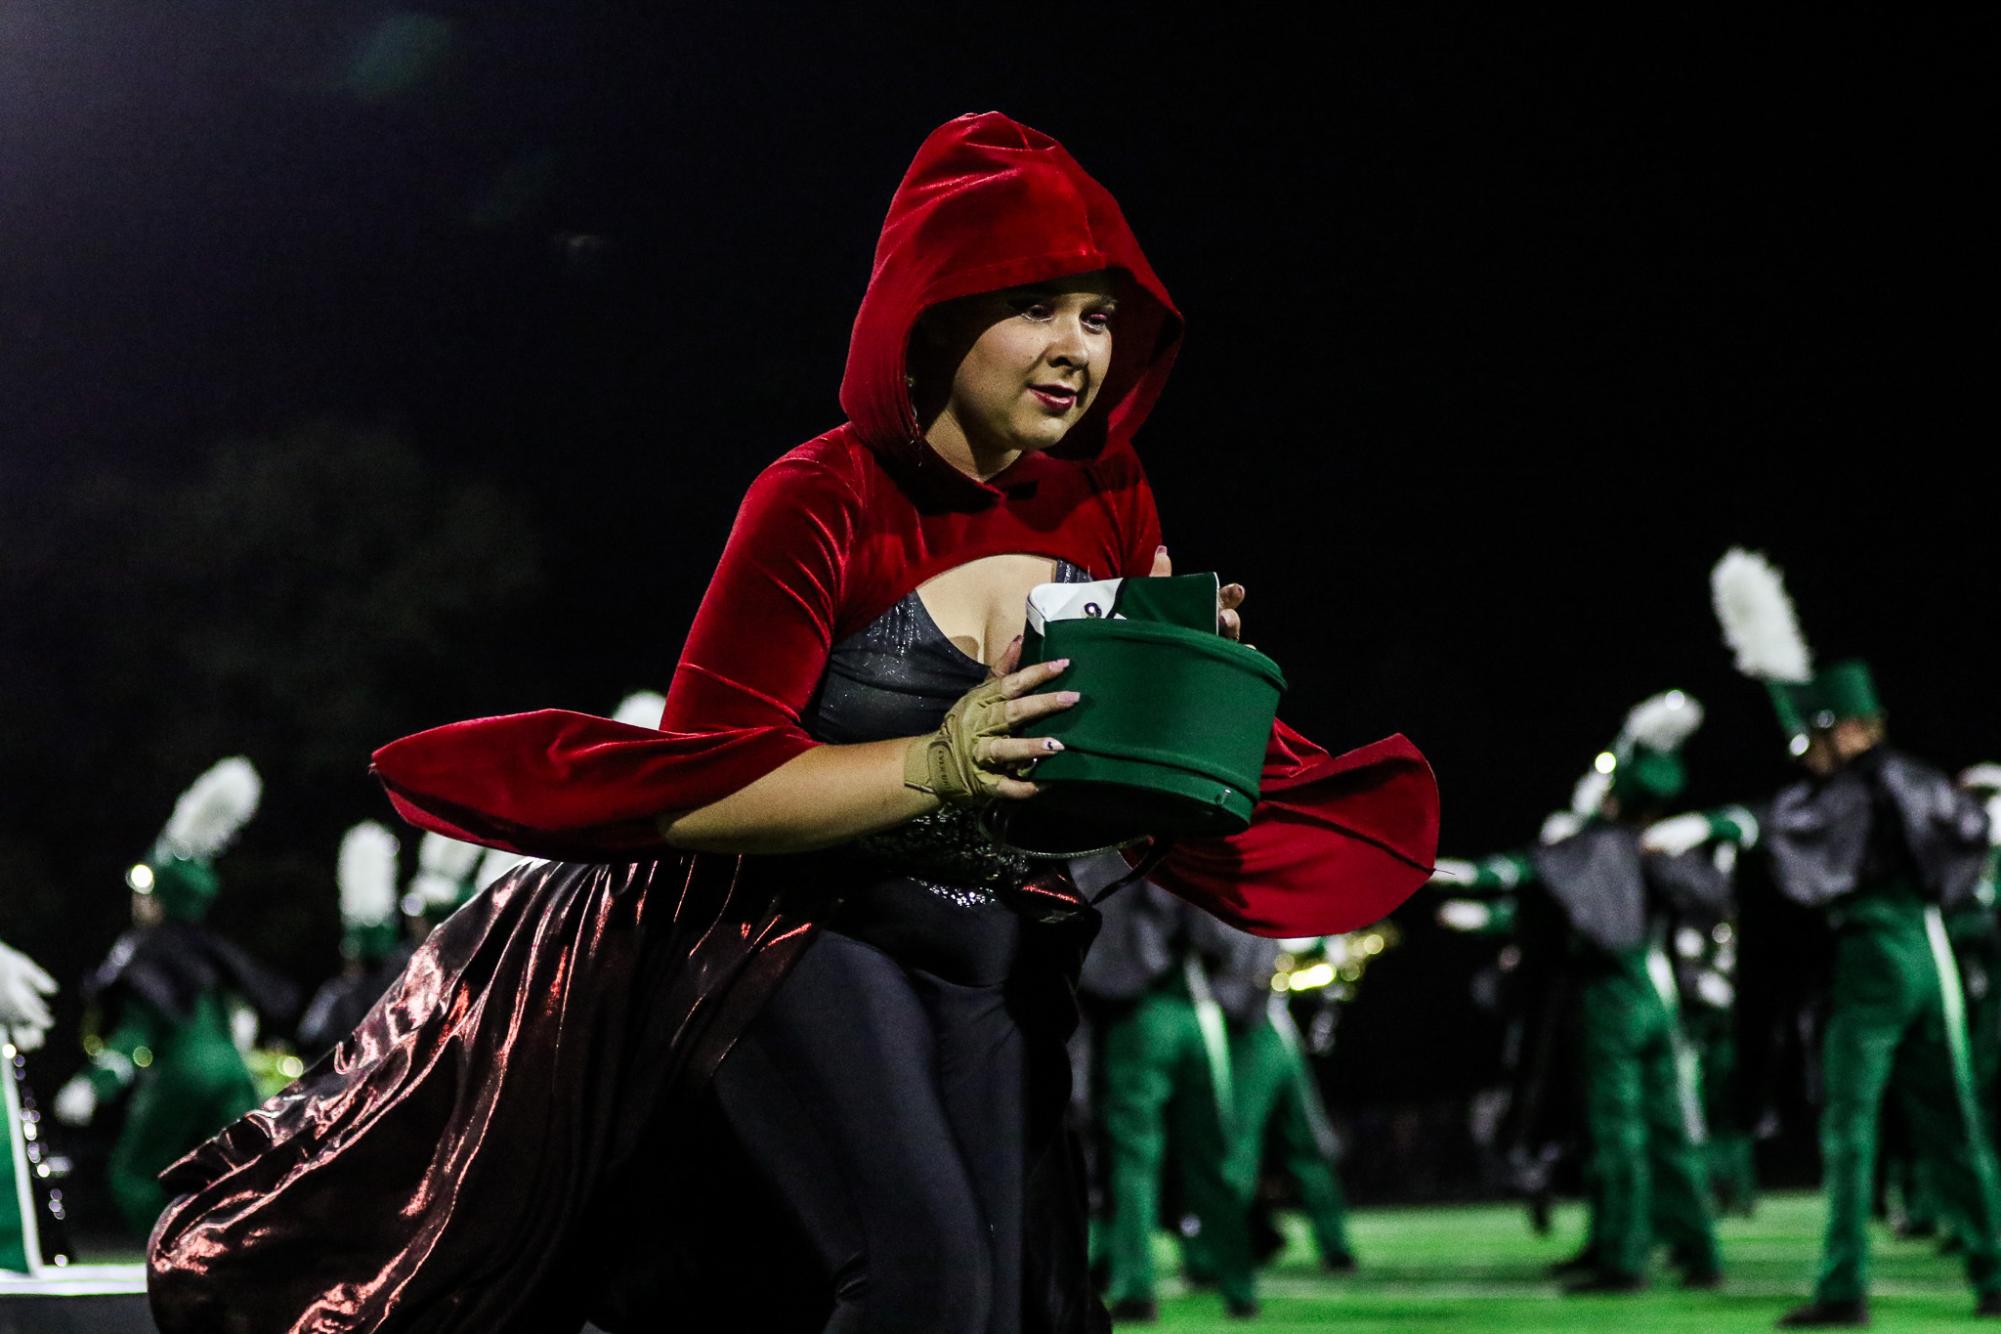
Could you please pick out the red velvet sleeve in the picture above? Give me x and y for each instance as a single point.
(559, 784)
(1336, 841)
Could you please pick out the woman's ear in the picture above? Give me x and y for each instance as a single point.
(928, 333)
(923, 355)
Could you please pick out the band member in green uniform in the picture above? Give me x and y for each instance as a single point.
(1975, 933)
(1705, 972)
(374, 946)
(1614, 909)
(1976, 936)
(170, 992)
(24, 1023)
(1276, 1093)
(1163, 1056)
(1883, 845)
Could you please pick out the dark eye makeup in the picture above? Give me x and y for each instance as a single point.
(1039, 305)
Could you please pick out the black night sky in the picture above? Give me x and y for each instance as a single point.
(363, 368)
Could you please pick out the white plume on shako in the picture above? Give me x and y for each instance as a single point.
(213, 810)
(1758, 619)
(641, 709)
(443, 864)
(368, 874)
(1662, 722)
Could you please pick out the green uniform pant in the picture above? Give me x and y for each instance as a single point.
(1647, 1168)
(13, 1227)
(1913, 1176)
(1272, 1081)
(1733, 1175)
(1156, 1066)
(1733, 1171)
(192, 1090)
(1896, 1023)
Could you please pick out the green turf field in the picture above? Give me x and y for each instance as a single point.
(1480, 1268)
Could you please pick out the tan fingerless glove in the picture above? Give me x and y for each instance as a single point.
(942, 763)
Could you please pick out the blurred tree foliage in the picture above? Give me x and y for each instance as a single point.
(298, 599)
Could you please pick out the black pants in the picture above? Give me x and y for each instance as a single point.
(884, 1106)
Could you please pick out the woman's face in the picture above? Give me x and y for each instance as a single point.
(1026, 364)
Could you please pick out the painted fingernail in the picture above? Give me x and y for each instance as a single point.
(1160, 550)
(1069, 696)
(1052, 743)
(1060, 664)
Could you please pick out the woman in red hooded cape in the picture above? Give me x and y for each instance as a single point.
(662, 1088)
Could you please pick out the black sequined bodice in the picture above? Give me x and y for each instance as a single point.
(898, 677)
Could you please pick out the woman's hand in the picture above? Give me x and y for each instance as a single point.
(971, 758)
(1228, 598)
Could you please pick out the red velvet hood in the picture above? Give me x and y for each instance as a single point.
(990, 203)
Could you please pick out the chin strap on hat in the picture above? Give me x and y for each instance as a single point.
(1053, 895)
(1144, 867)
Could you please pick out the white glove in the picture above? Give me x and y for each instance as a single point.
(1562, 825)
(23, 1011)
(243, 1028)
(1676, 835)
(76, 1101)
(1464, 915)
(1715, 990)
(1982, 778)
(1452, 871)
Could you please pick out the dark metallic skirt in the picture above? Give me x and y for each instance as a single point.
(514, 1139)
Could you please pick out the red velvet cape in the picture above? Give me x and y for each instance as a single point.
(835, 532)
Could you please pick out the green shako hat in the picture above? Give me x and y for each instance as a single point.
(1643, 765)
(370, 925)
(1762, 629)
(1646, 764)
(1845, 690)
(178, 872)
(183, 888)
(1170, 737)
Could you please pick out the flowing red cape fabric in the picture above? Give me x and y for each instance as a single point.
(1337, 841)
